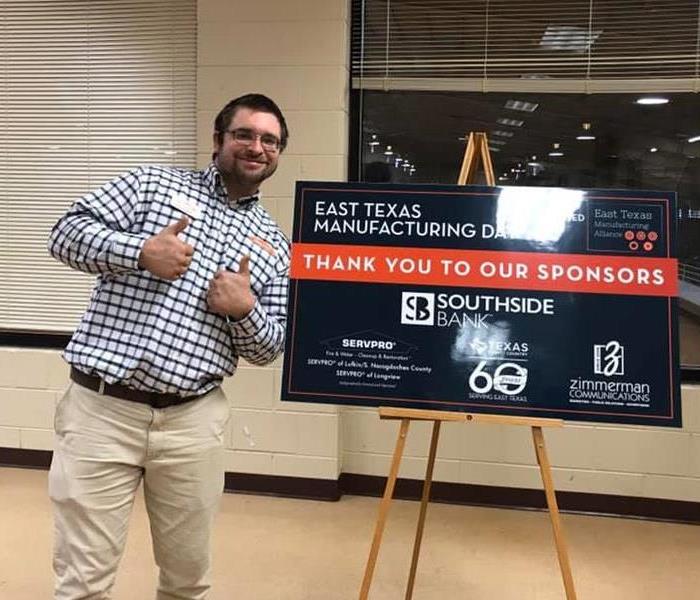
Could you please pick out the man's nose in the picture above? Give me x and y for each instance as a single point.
(256, 145)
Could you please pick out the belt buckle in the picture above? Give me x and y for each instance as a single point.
(159, 401)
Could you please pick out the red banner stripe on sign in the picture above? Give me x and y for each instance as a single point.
(640, 276)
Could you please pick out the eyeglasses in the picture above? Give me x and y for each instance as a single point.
(269, 142)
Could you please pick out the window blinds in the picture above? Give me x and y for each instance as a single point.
(542, 45)
(87, 91)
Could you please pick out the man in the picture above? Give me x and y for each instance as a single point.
(192, 273)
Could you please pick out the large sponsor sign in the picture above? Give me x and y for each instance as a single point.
(522, 301)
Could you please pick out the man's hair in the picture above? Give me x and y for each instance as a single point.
(256, 102)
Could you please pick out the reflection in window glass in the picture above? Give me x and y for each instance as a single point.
(565, 140)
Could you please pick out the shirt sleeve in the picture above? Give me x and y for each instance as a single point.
(94, 235)
(259, 336)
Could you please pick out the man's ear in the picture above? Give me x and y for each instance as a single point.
(216, 140)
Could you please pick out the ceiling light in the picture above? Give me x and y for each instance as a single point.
(510, 122)
(521, 105)
(500, 133)
(653, 149)
(556, 151)
(650, 101)
(585, 136)
(569, 38)
(494, 149)
(498, 142)
(694, 139)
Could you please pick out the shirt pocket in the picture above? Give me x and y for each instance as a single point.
(162, 213)
(262, 264)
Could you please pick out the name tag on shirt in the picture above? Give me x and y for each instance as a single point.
(264, 244)
(186, 205)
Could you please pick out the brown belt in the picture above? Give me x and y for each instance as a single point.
(154, 399)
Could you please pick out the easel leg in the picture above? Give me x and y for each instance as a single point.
(546, 472)
(384, 509)
(423, 508)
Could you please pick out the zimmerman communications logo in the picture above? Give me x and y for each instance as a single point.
(417, 308)
(609, 359)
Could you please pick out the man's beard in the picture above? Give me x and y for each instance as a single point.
(237, 174)
(246, 177)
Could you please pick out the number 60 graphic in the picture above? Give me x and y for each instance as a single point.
(508, 378)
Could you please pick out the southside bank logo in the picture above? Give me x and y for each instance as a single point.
(609, 359)
(417, 308)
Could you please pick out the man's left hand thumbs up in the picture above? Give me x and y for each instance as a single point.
(229, 292)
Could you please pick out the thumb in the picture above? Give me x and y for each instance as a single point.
(244, 266)
(177, 226)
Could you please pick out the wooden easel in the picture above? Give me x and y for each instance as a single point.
(477, 150)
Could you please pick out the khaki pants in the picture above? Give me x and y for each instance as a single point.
(104, 447)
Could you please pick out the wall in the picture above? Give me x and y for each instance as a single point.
(299, 440)
(297, 52)
(649, 462)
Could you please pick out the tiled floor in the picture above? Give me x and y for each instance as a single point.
(280, 549)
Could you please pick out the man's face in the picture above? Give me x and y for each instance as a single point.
(246, 164)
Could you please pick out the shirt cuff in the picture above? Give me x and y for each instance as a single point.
(250, 325)
(126, 249)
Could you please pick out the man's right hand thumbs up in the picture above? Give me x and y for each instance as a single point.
(164, 254)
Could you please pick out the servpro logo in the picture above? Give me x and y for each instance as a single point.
(367, 344)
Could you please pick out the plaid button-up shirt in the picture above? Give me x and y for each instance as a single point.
(157, 335)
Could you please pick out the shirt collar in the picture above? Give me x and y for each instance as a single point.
(212, 178)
